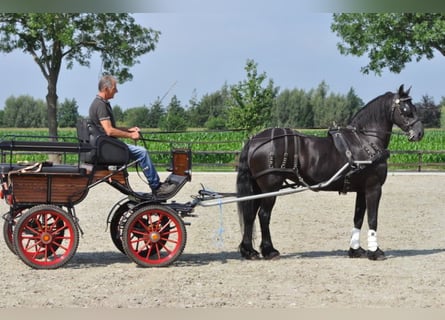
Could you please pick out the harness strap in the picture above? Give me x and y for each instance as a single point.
(273, 170)
(285, 154)
(272, 152)
(296, 162)
(296, 154)
(339, 137)
(283, 169)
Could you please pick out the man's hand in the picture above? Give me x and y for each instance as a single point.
(134, 132)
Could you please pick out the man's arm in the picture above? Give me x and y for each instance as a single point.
(132, 133)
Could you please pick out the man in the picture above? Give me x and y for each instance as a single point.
(101, 115)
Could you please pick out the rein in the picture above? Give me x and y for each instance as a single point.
(370, 132)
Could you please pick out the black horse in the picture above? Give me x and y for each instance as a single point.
(279, 158)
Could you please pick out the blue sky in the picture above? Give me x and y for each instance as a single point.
(199, 51)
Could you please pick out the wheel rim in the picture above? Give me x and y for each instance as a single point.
(154, 236)
(8, 229)
(120, 216)
(46, 237)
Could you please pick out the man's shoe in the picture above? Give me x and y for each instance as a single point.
(165, 189)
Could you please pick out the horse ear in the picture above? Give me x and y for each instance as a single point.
(407, 92)
(402, 91)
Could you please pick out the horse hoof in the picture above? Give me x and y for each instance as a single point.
(377, 255)
(248, 253)
(272, 255)
(357, 253)
(268, 251)
(252, 256)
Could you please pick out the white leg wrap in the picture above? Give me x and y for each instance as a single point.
(372, 240)
(355, 238)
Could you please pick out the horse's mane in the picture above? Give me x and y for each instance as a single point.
(375, 110)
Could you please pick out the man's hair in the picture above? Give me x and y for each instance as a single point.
(106, 81)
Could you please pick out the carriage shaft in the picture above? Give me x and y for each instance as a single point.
(215, 201)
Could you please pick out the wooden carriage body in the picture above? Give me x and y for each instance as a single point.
(68, 184)
(41, 226)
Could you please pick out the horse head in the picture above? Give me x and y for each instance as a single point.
(404, 115)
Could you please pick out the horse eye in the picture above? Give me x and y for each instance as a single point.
(405, 110)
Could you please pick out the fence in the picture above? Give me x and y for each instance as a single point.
(420, 164)
(418, 160)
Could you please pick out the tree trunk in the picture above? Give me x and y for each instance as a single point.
(51, 101)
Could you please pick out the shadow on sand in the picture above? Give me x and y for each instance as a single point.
(101, 259)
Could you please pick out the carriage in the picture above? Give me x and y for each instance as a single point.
(41, 226)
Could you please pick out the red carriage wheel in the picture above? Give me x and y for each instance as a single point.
(8, 228)
(154, 236)
(117, 222)
(46, 237)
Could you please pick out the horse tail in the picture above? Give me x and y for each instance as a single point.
(244, 185)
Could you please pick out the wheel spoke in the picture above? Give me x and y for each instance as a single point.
(46, 237)
(32, 230)
(149, 250)
(154, 236)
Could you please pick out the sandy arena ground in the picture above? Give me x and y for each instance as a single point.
(310, 229)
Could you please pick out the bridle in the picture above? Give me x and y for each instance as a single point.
(407, 122)
(397, 105)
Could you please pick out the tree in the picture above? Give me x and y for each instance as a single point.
(318, 102)
(333, 109)
(293, 109)
(138, 116)
(251, 104)
(118, 114)
(390, 39)
(175, 119)
(68, 114)
(428, 112)
(155, 114)
(52, 38)
(442, 113)
(353, 104)
(211, 111)
(24, 112)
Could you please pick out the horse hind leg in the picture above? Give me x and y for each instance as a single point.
(247, 211)
(267, 249)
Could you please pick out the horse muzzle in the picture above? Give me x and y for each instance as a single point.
(415, 132)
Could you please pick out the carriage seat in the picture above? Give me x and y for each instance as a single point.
(105, 150)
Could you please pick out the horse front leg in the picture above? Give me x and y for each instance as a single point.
(266, 246)
(355, 250)
(372, 202)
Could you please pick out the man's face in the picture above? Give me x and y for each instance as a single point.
(110, 92)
